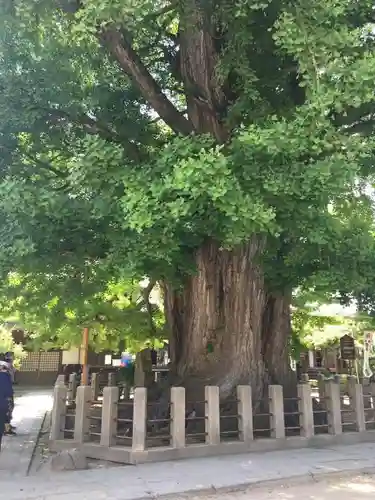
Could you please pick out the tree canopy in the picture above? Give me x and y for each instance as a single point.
(131, 133)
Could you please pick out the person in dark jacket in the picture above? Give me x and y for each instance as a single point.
(6, 394)
(9, 428)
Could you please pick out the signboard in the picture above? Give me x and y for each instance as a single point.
(347, 348)
(368, 346)
(368, 340)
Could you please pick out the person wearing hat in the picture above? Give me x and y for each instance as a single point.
(6, 394)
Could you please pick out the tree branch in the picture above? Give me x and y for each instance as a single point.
(46, 166)
(132, 65)
(146, 297)
(93, 126)
(364, 127)
(40, 163)
(164, 10)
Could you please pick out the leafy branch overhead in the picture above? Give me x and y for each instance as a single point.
(132, 133)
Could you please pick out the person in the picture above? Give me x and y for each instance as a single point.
(12, 371)
(6, 394)
(9, 428)
(298, 370)
(154, 356)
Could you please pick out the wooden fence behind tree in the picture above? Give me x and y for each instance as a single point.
(133, 429)
(39, 368)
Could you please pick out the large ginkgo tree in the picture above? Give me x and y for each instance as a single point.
(221, 148)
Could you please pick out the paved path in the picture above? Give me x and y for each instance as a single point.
(30, 409)
(360, 487)
(282, 475)
(156, 480)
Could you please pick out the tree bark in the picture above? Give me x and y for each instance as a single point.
(275, 336)
(225, 329)
(132, 65)
(204, 95)
(276, 332)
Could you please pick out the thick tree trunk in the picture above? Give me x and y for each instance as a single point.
(225, 329)
(275, 336)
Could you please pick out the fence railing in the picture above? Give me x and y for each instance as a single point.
(135, 430)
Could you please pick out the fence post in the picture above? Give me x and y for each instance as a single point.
(337, 378)
(351, 383)
(333, 400)
(60, 380)
(371, 391)
(366, 393)
(359, 408)
(212, 411)
(58, 412)
(305, 379)
(72, 387)
(277, 411)
(305, 407)
(95, 386)
(109, 416)
(82, 421)
(112, 379)
(139, 419)
(245, 413)
(322, 390)
(178, 417)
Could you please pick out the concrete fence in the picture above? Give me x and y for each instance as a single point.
(124, 430)
(98, 382)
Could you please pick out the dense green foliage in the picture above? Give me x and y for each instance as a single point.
(119, 316)
(104, 179)
(7, 344)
